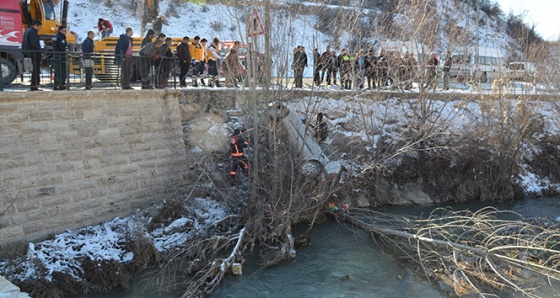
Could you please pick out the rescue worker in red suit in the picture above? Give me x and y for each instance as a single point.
(237, 147)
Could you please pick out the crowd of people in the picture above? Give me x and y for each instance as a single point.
(360, 70)
(154, 61)
(365, 67)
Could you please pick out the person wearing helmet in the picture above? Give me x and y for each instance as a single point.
(237, 150)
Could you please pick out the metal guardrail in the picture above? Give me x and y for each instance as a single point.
(67, 70)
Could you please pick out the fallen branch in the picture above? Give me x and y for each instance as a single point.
(479, 252)
(210, 276)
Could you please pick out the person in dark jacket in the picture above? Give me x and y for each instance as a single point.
(321, 129)
(184, 57)
(299, 63)
(237, 150)
(104, 27)
(32, 48)
(59, 58)
(158, 23)
(447, 63)
(87, 49)
(147, 54)
(431, 75)
(164, 66)
(324, 64)
(123, 57)
(316, 67)
(148, 38)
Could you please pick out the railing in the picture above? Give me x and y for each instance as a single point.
(69, 70)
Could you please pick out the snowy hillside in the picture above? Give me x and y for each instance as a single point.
(293, 23)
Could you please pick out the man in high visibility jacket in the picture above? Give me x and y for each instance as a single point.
(237, 147)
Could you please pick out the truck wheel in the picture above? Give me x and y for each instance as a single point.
(9, 71)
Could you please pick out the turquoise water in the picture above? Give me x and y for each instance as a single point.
(339, 262)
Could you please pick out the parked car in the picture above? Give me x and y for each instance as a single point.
(522, 71)
(318, 159)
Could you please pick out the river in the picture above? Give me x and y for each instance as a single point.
(339, 262)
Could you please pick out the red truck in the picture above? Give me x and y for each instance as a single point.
(11, 34)
(15, 17)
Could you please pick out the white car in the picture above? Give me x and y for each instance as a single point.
(318, 160)
(524, 71)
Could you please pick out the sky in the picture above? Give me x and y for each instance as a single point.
(542, 13)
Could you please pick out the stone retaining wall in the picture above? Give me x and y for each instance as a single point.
(72, 159)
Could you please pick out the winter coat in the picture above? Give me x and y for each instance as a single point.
(146, 40)
(59, 43)
(183, 53)
(122, 46)
(104, 24)
(158, 24)
(31, 40)
(87, 48)
(322, 132)
(447, 64)
(231, 60)
(300, 60)
(149, 50)
(237, 145)
(196, 51)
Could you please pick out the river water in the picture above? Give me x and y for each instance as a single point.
(339, 262)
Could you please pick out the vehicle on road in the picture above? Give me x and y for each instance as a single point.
(484, 64)
(318, 160)
(521, 71)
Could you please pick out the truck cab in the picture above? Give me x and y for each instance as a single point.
(17, 16)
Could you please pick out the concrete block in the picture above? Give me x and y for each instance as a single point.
(64, 115)
(96, 114)
(41, 116)
(12, 232)
(80, 104)
(10, 129)
(34, 215)
(18, 117)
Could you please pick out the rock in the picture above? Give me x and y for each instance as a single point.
(414, 194)
(208, 133)
(362, 202)
(8, 290)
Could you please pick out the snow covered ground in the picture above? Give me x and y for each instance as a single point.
(105, 241)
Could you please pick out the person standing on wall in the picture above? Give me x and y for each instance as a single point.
(203, 61)
(104, 27)
(299, 64)
(231, 66)
(147, 55)
(59, 58)
(31, 47)
(123, 57)
(165, 65)
(213, 58)
(88, 48)
(184, 57)
(148, 38)
(196, 55)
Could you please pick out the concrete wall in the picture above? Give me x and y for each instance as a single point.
(71, 159)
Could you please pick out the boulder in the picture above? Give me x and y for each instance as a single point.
(208, 132)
